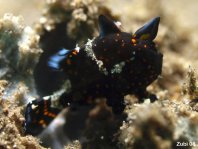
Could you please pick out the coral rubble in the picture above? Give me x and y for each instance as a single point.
(66, 23)
(19, 46)
(159, 125)
(11, 121)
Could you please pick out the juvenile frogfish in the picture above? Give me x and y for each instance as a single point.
(110, 66)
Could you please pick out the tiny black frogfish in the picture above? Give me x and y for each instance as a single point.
(110, 66)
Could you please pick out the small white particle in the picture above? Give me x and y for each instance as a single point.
(147, 101)
(77, 49)
(131, 59)
(126, 140)
(34, 106)
(117, 68)
(46, 97)
(43, 20)
(118, 24)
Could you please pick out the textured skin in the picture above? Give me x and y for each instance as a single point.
(112, 65)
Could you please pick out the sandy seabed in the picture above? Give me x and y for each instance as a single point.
(169, 123)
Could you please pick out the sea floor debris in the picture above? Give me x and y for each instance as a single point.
(161, 125)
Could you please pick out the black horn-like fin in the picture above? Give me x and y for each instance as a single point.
(149, 30)
(107, 26)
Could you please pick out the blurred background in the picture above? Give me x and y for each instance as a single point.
(184, 11)
(30, 10)
(177, 37)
